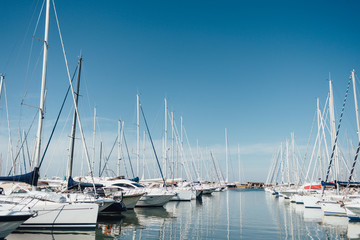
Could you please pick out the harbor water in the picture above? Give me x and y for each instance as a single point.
(233, 214)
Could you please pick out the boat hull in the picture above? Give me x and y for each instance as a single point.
(63, 216)
(182, 195)
(11, 220)
(154, 200)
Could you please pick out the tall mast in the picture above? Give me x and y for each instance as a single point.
(1, 82)
(8, 121)
(144, 146)
(282, 163)
(121, 137)
(137, 134)
(43, 83)
(93, 143)
(239, 163)
(172, 139)
(181, 139)
(319, 120)
(287, 161)
(198, 157)
(226, 156)
(294, 165)
(165, 137)
(73, 130)
(356, 104)
(332, 128)
(119, 148)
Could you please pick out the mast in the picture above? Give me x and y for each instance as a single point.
(181, 140)
(144, 146)
(282, 163)
(8, 122)
(287, 161)
(226, 157)
(93, 143)
(42, 93)
(137, 134)
(100, 159)
(172, 139)
(165, 137)
(356, 104)
(294, 165)
(332, 128)
(2, 77)
(119, 148)
(239, 163)
(73, 130)
(319, 119)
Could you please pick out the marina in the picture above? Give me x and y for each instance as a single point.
(179, 120)
(233, 214)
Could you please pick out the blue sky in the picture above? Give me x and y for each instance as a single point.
(253, 67)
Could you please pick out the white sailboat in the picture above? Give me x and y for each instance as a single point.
(52, 209)
(11, 219)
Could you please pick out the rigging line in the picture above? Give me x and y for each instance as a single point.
(33, 73)
(108, 157)
(180, 146)
(25, 140)
(126, 171)
(57, 142)
(353, 166)
(21, 135)
(212, 158)
(32, 40)
(27, 151)
(152, 144)
(192, 156)
(16, 45)
(127, 150)
(308, 142)
(219, 169)
(57, 120)
(75, 105)
(337, 134)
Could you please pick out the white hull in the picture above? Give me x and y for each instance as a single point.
(51, 235)
(312, 201)
(84, 198)
(130, 201)
(152, 200)
(63, 216)
(11, 220)
(298, 199)
(333, 209)
(182, 195)
(353, 210)
(51, 214)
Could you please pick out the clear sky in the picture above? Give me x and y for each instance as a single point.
(253, 67)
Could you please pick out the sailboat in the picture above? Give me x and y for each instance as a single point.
(52, 209)
(11, 219)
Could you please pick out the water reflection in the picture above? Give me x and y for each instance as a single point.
(353, 230)
(222, 215)
(35, 235)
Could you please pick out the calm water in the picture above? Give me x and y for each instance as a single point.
(224, 215)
